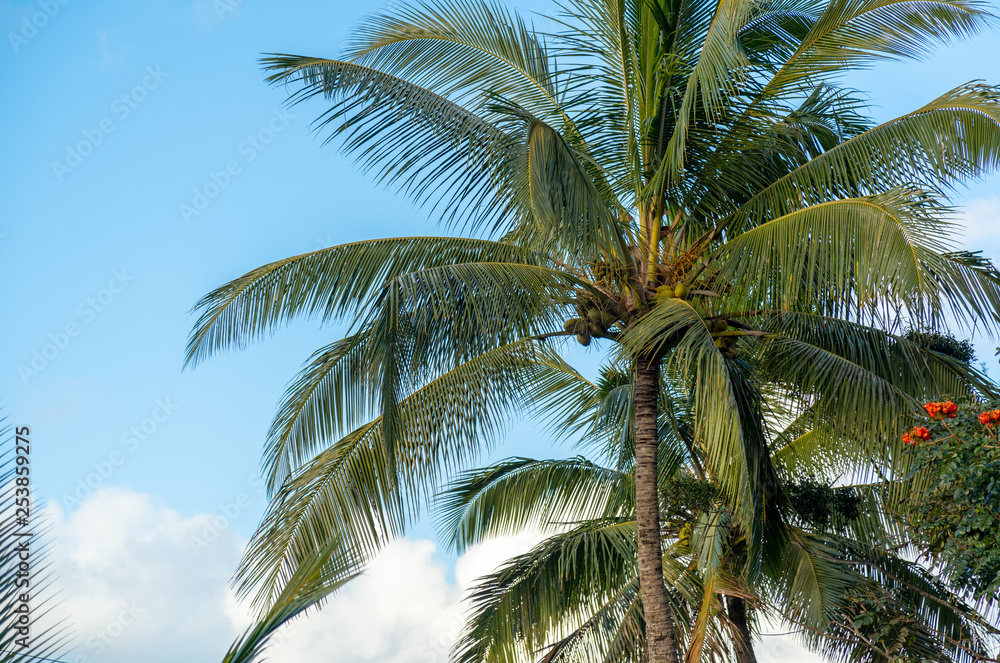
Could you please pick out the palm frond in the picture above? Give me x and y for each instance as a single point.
(472, 51)
(351, 490)
(532, 600)
(853, 253)
(312, 582)
(521, 493)
(331, 284)
(420, 142)
(814, 583)
(948, 140)
(29, 625)
(720, 67)
(718, 425)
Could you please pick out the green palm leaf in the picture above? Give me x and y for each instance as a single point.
(307, 587)
(330, 284)
(349, 489)
(522, 493)
(472, 51)
(927, 146)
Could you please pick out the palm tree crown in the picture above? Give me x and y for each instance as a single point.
(685, 179)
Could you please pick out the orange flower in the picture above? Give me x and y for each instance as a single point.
(984, 418)
(995, 415)
(907, 440)
(941, 410)
(921, 432)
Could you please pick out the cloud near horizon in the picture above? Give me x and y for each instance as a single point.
(137, 584)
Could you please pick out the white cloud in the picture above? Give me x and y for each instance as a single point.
(777, 648)
(140, 583)
(394, 613)
(403, 609)
(135, 588)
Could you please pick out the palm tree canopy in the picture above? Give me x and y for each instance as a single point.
(685, 179)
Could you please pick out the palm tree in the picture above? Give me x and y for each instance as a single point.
(684, 179)
(840, 577)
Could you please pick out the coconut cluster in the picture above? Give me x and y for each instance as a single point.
(595, 322)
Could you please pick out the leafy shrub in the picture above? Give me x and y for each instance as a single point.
(946, 344)
(954, 502)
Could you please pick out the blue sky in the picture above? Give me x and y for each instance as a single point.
(118, 116)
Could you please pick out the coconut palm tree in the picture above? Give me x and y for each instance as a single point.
(840, 578)
(685, 181)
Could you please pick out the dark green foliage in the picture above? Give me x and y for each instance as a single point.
(883, 623)
(684, 497)
(869, 614)
(942, 342)
(817, 502)
(954, 504)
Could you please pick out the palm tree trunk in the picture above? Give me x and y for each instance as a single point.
(661, 644)
(738, 616)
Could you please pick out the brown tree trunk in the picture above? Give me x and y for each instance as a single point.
(738, 616)
(661, 644)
